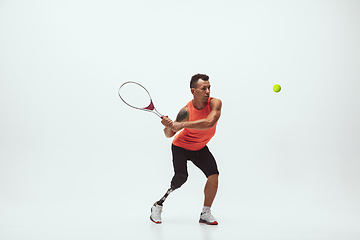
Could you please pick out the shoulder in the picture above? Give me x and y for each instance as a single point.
(215, 103)
(183, 114)
(185, 108)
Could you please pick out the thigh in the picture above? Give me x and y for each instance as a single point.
(179, 160)
(206, 162)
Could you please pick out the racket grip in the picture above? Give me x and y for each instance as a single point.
(162, 116)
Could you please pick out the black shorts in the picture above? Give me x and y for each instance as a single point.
(202, 158)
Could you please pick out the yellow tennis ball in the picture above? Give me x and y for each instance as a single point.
(277, 88)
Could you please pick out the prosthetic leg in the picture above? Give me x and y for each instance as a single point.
(177, 181)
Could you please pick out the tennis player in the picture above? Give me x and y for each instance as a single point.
(196, 124)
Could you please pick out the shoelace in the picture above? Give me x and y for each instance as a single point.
(158, 210)
(207, 215)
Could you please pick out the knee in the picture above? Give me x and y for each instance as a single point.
(178, 180)
(213, 180)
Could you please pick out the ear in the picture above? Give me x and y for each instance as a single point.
(192, 91)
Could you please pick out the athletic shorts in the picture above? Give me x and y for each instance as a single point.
(202, 158)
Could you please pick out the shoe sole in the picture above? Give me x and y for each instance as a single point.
(157, 222)
(208, 223)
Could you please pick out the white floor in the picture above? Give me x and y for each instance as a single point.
(108, 220)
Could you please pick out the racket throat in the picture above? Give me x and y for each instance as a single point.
(150, 107)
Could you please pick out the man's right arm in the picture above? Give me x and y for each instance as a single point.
(183, 115)
(167, 122)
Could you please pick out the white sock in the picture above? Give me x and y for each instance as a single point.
(205, 208)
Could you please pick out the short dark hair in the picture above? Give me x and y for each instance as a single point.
(195, 79)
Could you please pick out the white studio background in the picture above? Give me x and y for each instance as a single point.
(77, 163)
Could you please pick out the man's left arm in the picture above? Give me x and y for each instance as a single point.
(202, 124)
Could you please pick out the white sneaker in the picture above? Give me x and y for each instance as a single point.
(156, 213)
(207, 218)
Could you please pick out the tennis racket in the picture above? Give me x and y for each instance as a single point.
(137, 96)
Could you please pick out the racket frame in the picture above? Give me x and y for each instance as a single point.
(149, 108)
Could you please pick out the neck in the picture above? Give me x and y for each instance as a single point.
(198, 105)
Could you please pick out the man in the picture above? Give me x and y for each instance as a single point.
(197, 120)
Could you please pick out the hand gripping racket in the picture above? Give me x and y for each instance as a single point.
(137, 96)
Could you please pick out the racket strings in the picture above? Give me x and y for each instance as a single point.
(135, 96)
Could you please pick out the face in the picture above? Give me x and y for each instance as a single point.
(202, 91)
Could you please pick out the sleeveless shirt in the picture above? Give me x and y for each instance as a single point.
(192, 139)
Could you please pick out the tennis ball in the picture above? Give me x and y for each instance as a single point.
(277, 88)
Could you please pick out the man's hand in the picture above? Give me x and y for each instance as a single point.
(176, 126)
(167, 122)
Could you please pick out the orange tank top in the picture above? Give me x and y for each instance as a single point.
(192, 139)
